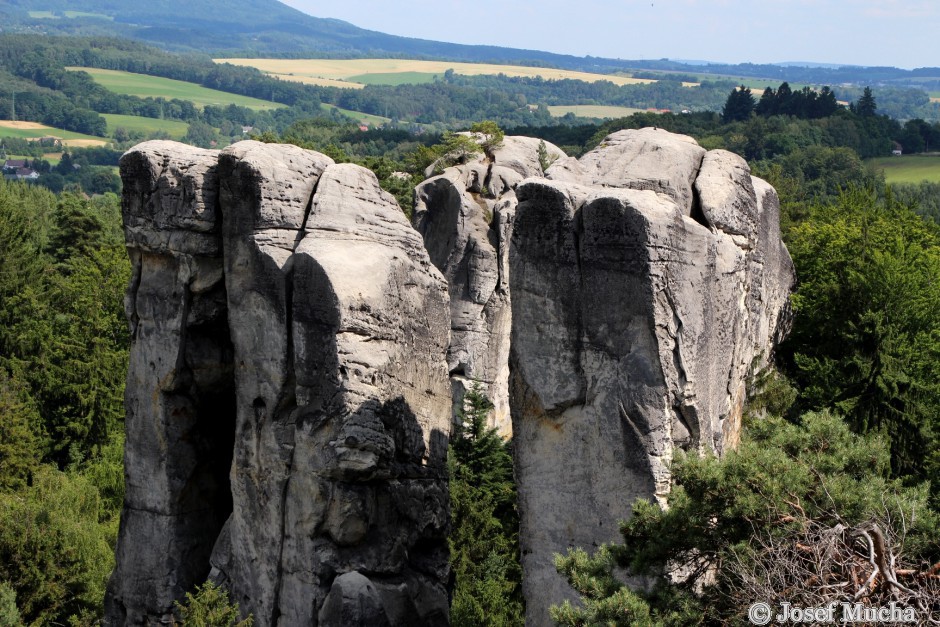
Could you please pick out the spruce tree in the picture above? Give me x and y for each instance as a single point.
(484, 538)
(866, 106)
(738, 106)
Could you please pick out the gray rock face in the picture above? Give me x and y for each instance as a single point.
(648, 278)
(465, 216)
(179, 397)
(337, 402)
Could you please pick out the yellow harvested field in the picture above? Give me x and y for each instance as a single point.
(340, 69)
(31, 126)
(935, 100)
(84, 143)
(319, 81)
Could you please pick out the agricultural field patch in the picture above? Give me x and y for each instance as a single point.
(143, 85)
(344, 69)
(318, 81)
(174, 128)
(55, 15)
(34, 130)
(394, 78)
(364, 118)
(909, 168)
(592, 111)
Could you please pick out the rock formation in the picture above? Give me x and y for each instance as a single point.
(648, 279)
(465, 215)
(179, 398)
(287, 403)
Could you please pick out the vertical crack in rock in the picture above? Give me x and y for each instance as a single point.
(467, 233)
(291, 367)
(299, 344)
(179, 385)
(634, 273)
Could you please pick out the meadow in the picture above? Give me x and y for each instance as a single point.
(400, 71)
(145, 86)
(175, 128)
(35, 130)
(363, 118)
(909, 168)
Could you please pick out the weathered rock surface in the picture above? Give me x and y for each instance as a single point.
(647, 279)
(337, 407)
(179, 398)
(465, 216)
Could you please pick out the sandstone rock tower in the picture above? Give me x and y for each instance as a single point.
(288, 405)
(647, 279)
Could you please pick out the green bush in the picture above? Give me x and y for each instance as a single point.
(210, 607)
(725, 514)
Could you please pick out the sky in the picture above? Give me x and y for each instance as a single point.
(898, 33)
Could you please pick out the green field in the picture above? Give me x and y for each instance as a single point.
(145, 86)
(365, 118)
(30, 130)
(909, 168)
(175, 128)
(592, 111)
(394, 78)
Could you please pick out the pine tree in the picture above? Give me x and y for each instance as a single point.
(866, 106)
(738, 106)
(484, 540)
(754, 520)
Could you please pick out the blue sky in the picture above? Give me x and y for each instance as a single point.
(862, 32)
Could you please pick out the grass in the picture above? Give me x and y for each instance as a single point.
(909, 168)
(365, 118)
(174, 128)
(394, 78)
(34, 130)
(592, 111)
(145, 86)
(52, 157)
(367, 69)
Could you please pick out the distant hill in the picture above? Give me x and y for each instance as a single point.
(261, 27)
(269, 28)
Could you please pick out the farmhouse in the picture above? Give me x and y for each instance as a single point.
(20, 174)
(13, 164)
